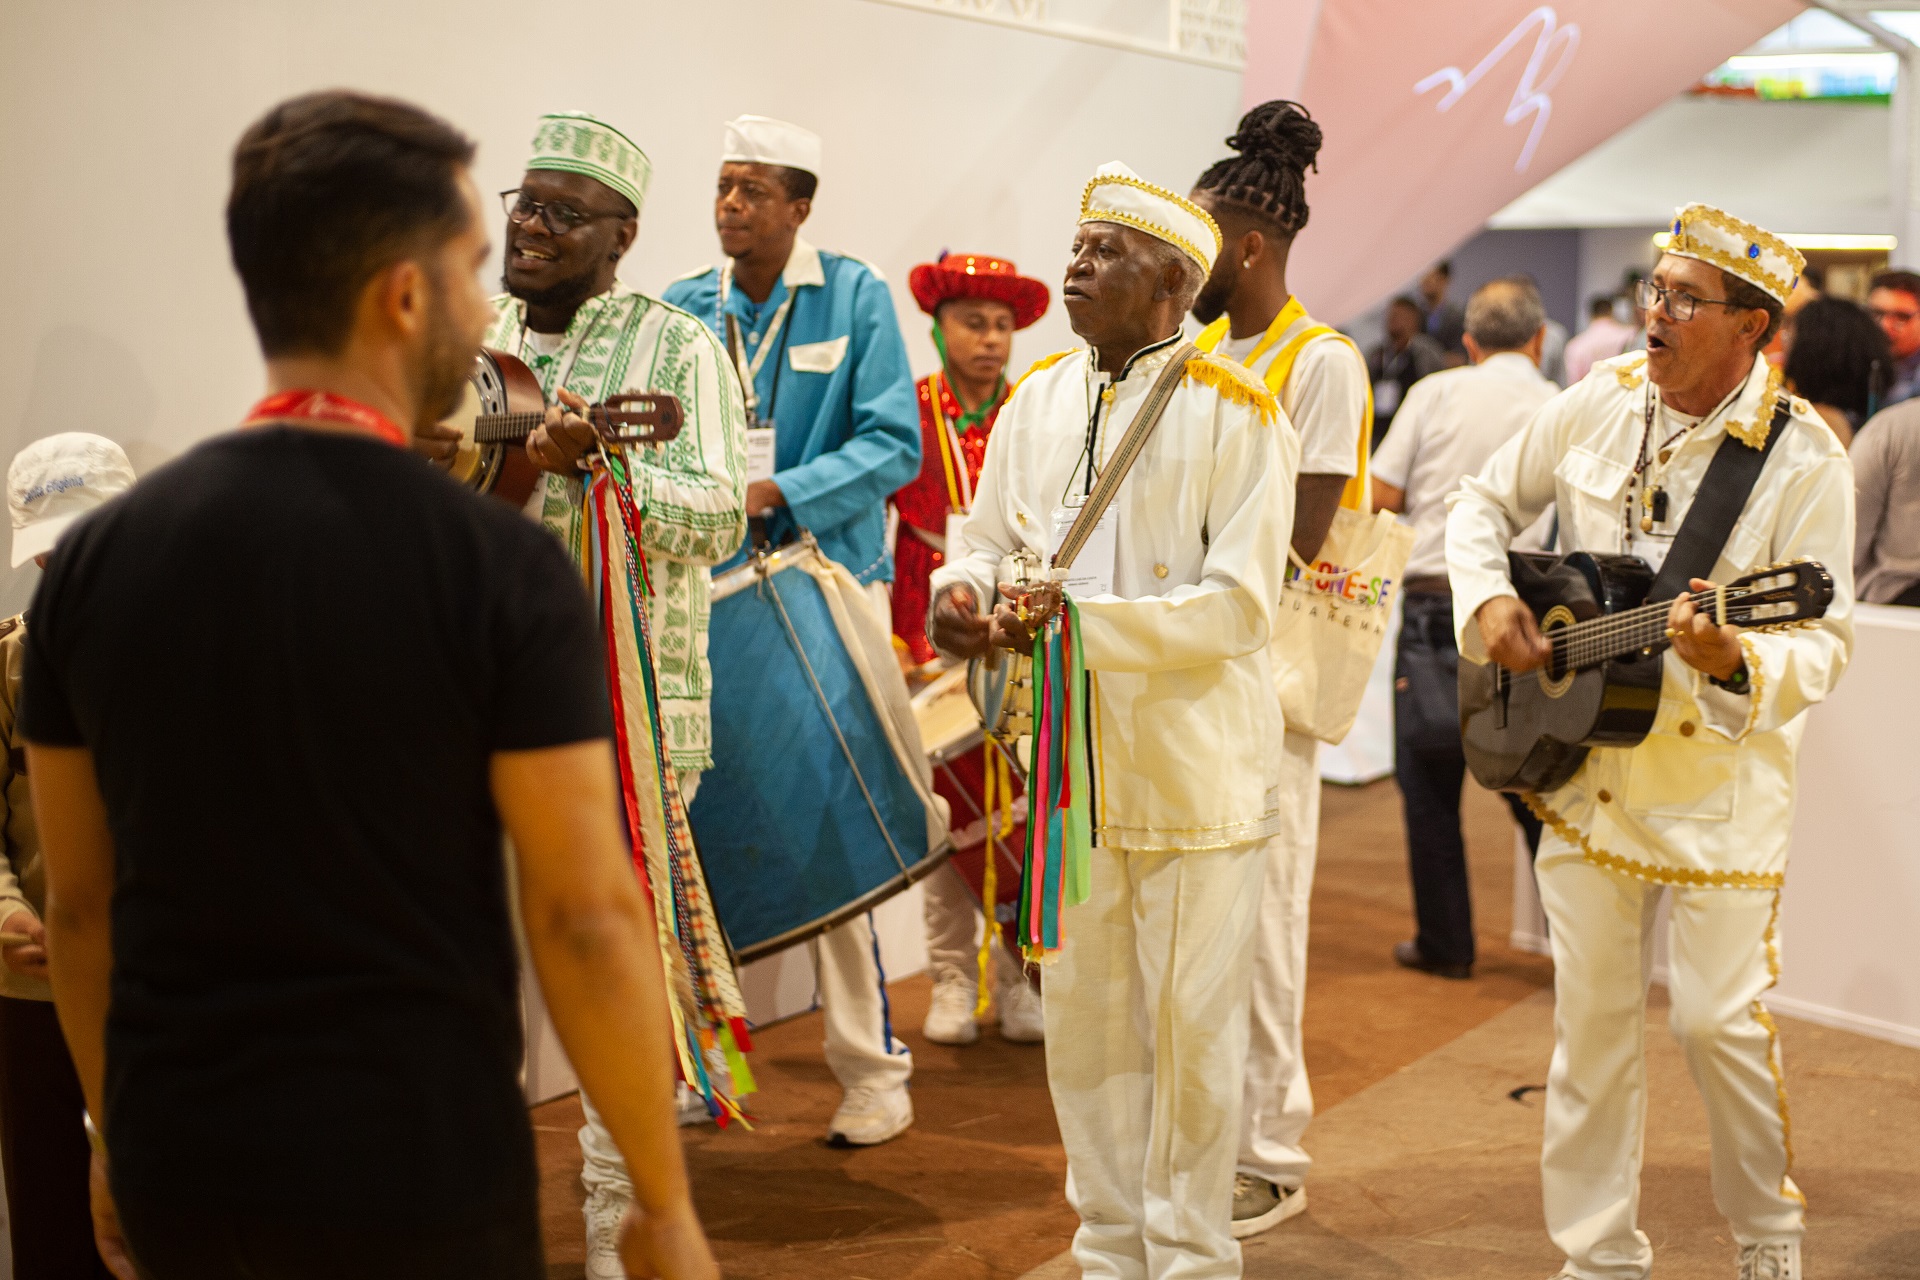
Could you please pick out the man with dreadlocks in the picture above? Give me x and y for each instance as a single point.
(1320, 379)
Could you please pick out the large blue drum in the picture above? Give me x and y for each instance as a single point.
(809, 816)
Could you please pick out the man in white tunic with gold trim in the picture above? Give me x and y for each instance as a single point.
(1147, 1002)
(1703, 806)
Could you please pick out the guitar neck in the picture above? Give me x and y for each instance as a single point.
(505, 428)
(1614, 635)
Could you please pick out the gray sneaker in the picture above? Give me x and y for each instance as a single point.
(1260, 1205)
(1775, 1260)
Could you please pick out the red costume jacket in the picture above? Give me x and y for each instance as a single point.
(949, 468)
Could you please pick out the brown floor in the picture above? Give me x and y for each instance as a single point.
(974, 1189)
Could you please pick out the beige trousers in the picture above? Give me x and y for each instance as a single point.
(1722, 954)
(1278, 1101)
(1146, 1012)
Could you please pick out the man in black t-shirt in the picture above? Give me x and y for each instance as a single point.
(272, 822)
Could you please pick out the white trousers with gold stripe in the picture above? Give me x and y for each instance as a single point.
(1722, 954)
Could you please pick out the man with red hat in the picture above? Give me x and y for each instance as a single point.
(977, 302)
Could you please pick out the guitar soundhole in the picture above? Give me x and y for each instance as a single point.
(1557, 676)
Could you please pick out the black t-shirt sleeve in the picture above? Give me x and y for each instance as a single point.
(552, 687)
(45, 714)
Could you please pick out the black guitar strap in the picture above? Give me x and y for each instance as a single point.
(1723, 495)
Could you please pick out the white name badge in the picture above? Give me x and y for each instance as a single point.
(1386, 396)
(955, 548)
(759, 454)
(1092, 572)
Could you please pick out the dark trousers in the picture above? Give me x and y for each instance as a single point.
(1430, 767)
(171, 1241)
(43, 1145)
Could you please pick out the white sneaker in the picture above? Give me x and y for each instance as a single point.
(1775, 1260)
(868, 1116)
(950, 1017)
(1260, 1205)
(1022, 1018)
(604, 1211)
(689, 1108)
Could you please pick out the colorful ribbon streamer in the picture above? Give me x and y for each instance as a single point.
(1059, 848)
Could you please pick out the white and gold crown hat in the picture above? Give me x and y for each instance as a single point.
(1118, 194)
(1716, 237)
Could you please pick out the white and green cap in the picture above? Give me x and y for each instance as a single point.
(575, 142)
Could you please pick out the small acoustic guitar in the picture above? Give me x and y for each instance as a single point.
(502, 406)
(1530, 731)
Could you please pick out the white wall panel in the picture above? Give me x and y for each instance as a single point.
(117, 120)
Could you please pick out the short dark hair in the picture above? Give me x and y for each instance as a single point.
(1839, 356)
(1411, 304)
(1444, 267)
(328, 189)
(1751, 297)
(1600, 304)
(1904, 281)
(800, 184)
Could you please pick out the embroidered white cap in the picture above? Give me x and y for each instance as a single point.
(1118, 194)
(55, 481)
(763, 140)
(1735, 245)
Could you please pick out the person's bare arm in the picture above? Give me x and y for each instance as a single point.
(78, 847)
(1388, 497)
(1315, 499)
(592, 935)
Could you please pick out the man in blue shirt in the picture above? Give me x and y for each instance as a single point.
(823, 346)
(820, 343)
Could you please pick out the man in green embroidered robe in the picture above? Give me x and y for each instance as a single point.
(565, 314)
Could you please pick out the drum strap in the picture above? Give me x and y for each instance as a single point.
(1129, 450)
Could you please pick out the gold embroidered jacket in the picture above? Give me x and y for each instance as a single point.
(1707, 798)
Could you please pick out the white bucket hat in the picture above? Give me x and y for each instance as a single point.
(55, 481)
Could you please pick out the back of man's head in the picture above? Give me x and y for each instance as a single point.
(329, 189)
(1600, 304)
(1503, 315)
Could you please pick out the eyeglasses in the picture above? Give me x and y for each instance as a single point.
(1680, 305)
(558, 218)
(1884, 314)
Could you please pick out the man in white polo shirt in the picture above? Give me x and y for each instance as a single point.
(1449, 425)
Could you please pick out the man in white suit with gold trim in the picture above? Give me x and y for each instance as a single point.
(1703, 806)
(1147, 1001)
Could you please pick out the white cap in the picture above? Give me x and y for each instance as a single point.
(55, 481)
(1118, 194)
(760, 140)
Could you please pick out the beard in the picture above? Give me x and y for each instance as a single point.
(446, 362)
(1212, 301)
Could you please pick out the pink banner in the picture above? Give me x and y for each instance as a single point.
(1437, 115)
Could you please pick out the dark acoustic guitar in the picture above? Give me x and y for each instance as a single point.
(1530, 731)
(504, 403)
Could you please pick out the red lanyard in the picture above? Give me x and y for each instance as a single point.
(324, 406)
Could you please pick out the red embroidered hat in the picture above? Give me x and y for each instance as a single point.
(977, 275)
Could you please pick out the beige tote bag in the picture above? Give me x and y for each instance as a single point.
(1333, 616)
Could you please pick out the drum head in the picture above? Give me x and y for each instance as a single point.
(993, 687)
(474, 464)
(948, 722)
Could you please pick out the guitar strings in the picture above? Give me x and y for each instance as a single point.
(1585, 643)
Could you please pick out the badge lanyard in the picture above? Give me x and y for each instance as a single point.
(775, 326)
(952, 457)
(324, 406)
